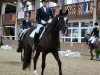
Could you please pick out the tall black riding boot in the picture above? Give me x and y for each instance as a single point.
(19, 49)
(35, 41)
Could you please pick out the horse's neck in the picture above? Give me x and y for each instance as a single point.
(52, 31)
(54, 28)
(52, 36)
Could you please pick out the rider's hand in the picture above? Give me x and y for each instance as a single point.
(49, 21)
(43, 22)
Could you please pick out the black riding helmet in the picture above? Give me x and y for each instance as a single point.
(45, 1)
(96, 23)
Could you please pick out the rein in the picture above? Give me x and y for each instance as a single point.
(57, 28)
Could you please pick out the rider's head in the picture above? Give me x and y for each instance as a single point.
(45, 3)
(96, 23)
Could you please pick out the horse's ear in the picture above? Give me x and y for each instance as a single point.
(61, 12)
(66, 12)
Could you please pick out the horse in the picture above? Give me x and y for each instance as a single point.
(92, 46)
(48, 43)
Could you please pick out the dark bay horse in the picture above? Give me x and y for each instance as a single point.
(92, 46)
(48, 43)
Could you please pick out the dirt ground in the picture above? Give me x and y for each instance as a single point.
(10, 64)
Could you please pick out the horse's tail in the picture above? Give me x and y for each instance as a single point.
(27, 57)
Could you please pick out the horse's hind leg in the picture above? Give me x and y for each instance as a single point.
(56, 55)
(43, 62)
(35, 61)
(91, 52)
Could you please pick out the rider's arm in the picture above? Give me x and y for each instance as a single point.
(93, 31)
(23, 24)
(51, 13)
(38, 19)
(30, 23)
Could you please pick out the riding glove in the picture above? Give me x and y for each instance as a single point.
(49, 21)
(43, 22)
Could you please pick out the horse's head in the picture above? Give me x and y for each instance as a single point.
(61, 21)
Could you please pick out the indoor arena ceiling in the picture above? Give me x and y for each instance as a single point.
(12, 1)
(11, 9)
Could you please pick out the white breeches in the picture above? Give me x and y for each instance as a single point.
(36, 30)
(92, 39)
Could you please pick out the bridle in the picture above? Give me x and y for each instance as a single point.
(58, 27)
(64, 26)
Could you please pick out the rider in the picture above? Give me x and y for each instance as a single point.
(94, 33)
(26, 24)
(44, 16)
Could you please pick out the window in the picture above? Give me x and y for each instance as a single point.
(84, 32)
(75, 24)
(77, 31)
(75, 1)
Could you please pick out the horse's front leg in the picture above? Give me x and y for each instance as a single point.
(56, 55)
(91, 52)
(22, 55)
(43, 62)
(35, 61)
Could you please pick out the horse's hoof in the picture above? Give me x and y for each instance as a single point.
(91, 59)
(22, 60)
(35, 72)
